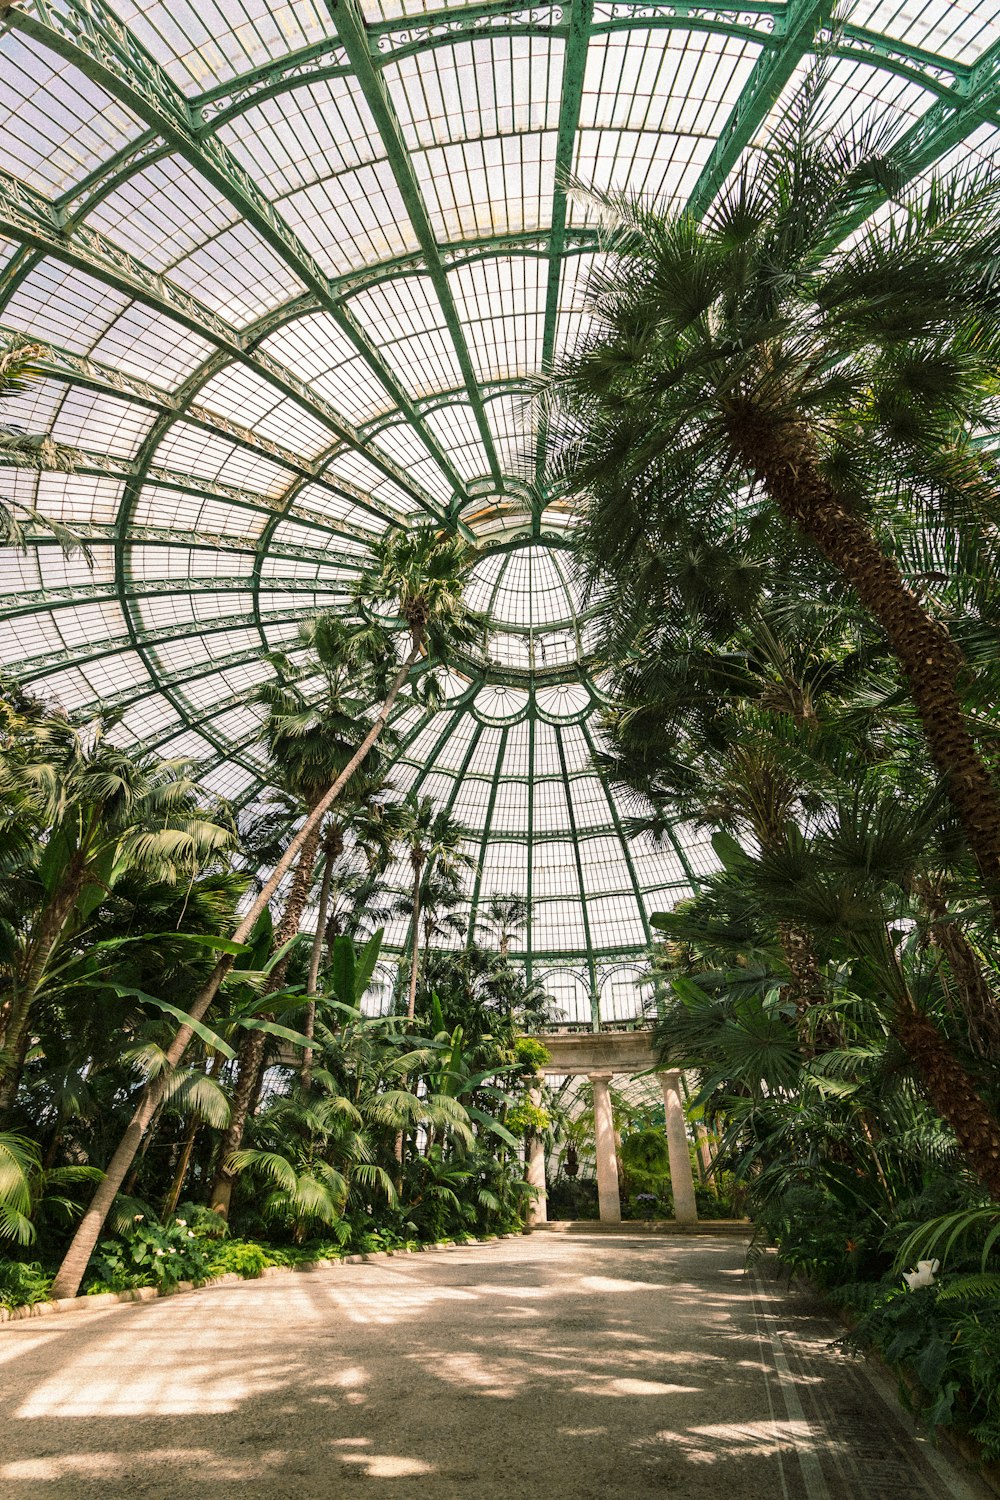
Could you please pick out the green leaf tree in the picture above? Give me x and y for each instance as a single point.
(96, 813)
(418, 575)
(433, 842)
(750, 361)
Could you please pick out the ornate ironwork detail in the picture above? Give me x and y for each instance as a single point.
(96, 30)
(39, 666)
(542, 19)
(864, 46)
(270, 322)
(329, 61)
(78, 368)
(226, 427)
(88, 27)
(735, 20)
(107, 533)
(87, 194)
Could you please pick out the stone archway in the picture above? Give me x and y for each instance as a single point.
(598, 1056)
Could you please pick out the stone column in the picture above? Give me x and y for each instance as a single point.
(681, 1179)
(607, 1156)
(534, 1165)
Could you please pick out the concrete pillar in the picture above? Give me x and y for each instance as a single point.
(534, 1165)
(607, 1156)
(681, 1179)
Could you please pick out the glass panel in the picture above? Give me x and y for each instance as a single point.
(276, 455)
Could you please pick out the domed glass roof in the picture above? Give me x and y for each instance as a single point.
(295, 262)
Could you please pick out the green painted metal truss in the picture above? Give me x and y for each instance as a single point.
(296, 263)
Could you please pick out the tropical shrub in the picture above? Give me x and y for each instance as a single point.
(29, 1190)
(527, 1119)
(23, 1283)
(241, 1257)
(945, 1339)
(150, 1254)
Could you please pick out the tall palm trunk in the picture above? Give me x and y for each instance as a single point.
(15, 1015)
(806, 991)
(254, 1043)
(183, 1162)
(797, 946)
(784, 459)
(75, 1261)
(977, 1002)
(334, 849)
(187, 1150)
(411, 999)
(952, 1093)
(806, 988)
(411, 1002)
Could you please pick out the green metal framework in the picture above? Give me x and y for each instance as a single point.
(296, 266)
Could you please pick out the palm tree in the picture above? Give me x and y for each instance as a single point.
(848, 884)
(420, 572)
(196, 1095)
(735, 729)
(313, 1149)
(751, 364)
(97, 814)
(507, 915)
(19, 367)
(26, 1183)
(375, 825)
(433, 841)
(309, 742)
(440, 894)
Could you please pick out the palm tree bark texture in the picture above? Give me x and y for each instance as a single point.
(784, 460)
(952, 1092)
(16, 1013)
(976, 1002)
(333, 848)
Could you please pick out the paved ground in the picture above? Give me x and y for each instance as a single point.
(549, 1368)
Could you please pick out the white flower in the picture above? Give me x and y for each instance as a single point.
(138, 1218)
(172, 1251)
(190, 1234)
(922, 1276)
(157, 1252)
(182, 1223)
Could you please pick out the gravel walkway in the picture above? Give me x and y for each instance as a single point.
(554, 1367)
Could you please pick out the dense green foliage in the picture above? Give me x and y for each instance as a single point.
(791, 519)
(170, 1035)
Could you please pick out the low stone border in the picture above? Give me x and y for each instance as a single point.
(972, 1453)
(228, 1278)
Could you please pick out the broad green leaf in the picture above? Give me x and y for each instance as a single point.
(196, 939)
(207, 1035)
(365, 964)
(342, 976)
(273, 1029)
(731, 854)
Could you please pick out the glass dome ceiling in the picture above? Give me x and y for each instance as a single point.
(295, 263)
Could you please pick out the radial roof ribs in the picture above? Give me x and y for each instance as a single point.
(89, 35)
(297, 268)
(357, 45)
